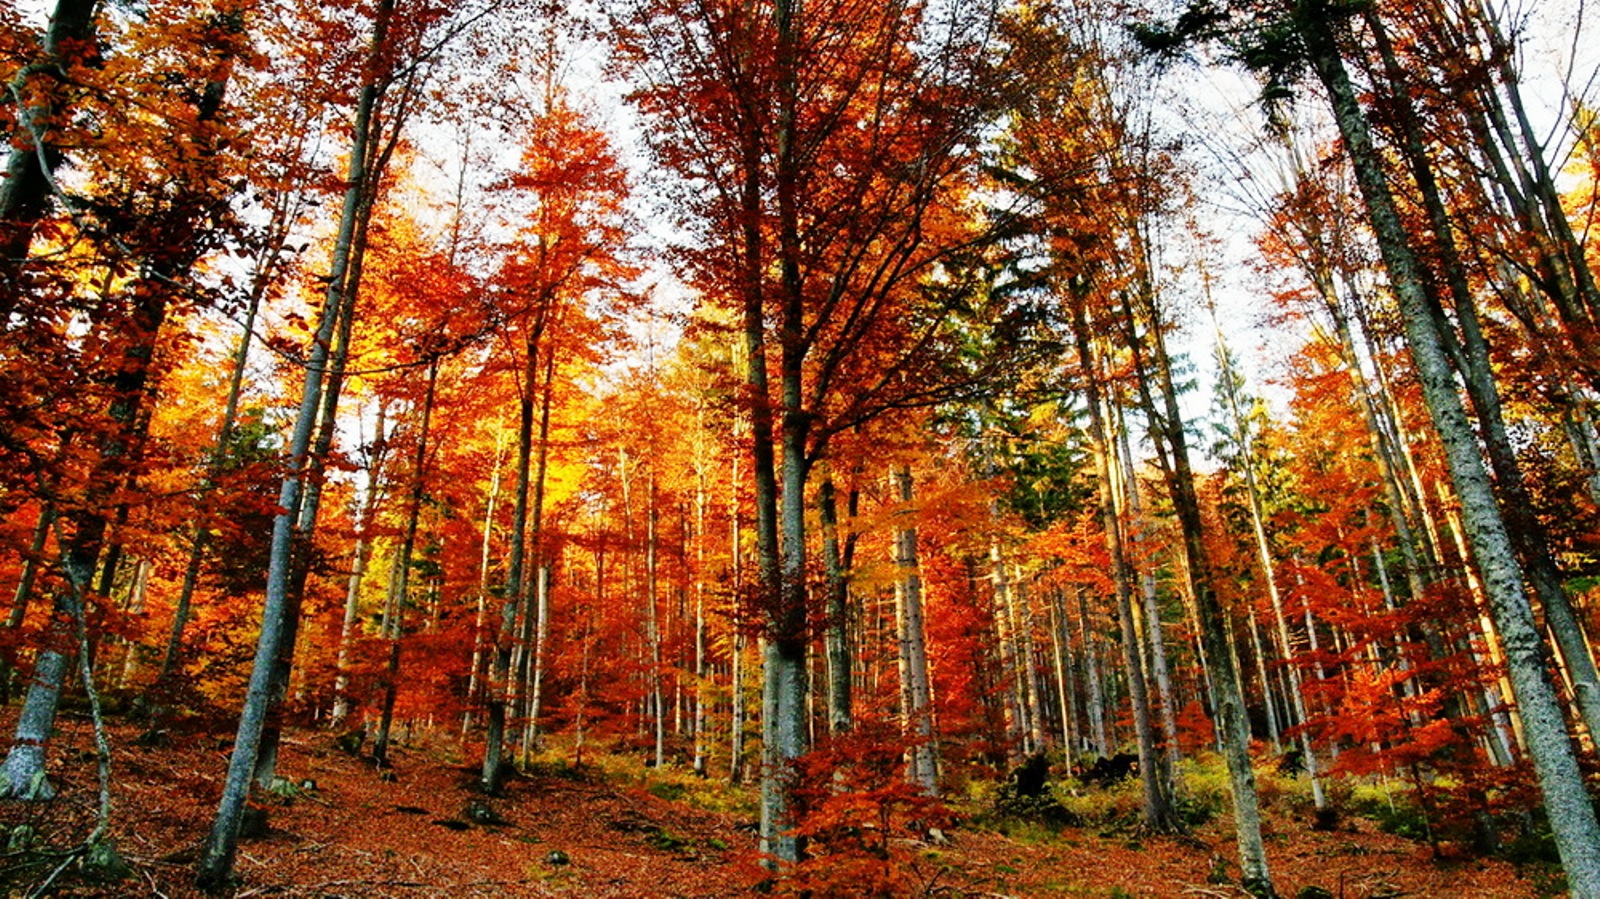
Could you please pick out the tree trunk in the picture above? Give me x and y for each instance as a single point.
(918, 714)
(1232, 720)
(394, 612)
(1159, 814)
(837, 636)
(1239, 434)
(652, 622)
(1572, 816)
(215, 868)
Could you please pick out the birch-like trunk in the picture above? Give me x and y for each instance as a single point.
(917, 718)
(1571, 814)
(215, 868)
(1232, 720)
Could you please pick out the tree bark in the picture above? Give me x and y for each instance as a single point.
(1232, 721)
(1572, 816)
(215, 868)
(917, 718)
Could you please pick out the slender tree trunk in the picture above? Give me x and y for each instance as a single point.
(475, 672)
(1232, 720)
(1152, 613)
(536, 621)
(736, 674)
(702, 661)
(1011, 670)
(652, 622)
(918, 716)
(1159, 814)
(394, 613)
(197, 545)
(1572, 816)
(359, 557)
(1091, 664)
(499, 690)
(1239, 433)
(216, 863)
(837, 637)
(1061, 641)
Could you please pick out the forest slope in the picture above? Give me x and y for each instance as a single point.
(607, 832)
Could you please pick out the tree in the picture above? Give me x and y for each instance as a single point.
(1280, 41)
(836, 149)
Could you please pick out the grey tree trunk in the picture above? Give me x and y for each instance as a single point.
(837, 636)
(1244, 445)
(394, 613)
(1091, 663)
(1159, 814)
(359, 554)
(1572, 816)
(215, 868)
(536, 620)
(918, 714)
(1232, 722)
(485, 554)
(1152, 614)
(652, 623)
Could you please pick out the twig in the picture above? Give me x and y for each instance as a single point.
(154, 890)
(44, 887)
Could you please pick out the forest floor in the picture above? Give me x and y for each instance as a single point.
(602, 832)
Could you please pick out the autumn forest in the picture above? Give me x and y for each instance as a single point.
(897, 428)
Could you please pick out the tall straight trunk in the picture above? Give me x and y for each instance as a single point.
(1232, 719)
(652, 622)
(702, 661)
(736, 664)
(1572, 816)
(1152, 610)
(1011, 670)
(499, 689)
(918, 712)
(215, 868)
(394, 612)
(784, 687)
(359, 557)
(1061, 642)
(303, 544)
(536, 620)
(1239, 433)
(197, 544)
(485, 556)
(1159, 814)
(1097, 690)
(837, 636)
(1028, 655)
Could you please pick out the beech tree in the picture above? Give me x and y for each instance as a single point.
(835, 150)
(1308, 38)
